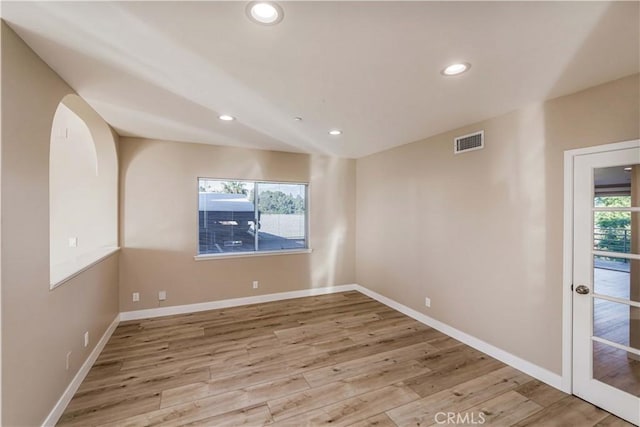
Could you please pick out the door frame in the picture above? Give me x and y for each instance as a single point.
(567, 255)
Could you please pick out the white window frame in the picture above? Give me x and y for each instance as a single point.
(255, 253)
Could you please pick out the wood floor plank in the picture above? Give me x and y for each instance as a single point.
(151, 374)
(613, 421)
(269, 389)
(252, 416)
(541, 393)
(354, 409)
(362, 365)
(333, 392)
(444, 342)
(112, 353)
(194, 411)
(166, 357)
(190, 412)
(459, 398)
(381, 325)
(504, 410)
(104, 369)
(186, 362)
(339, 359)
(452, 367)
(569, 411)
(316, 359)
(88, 399)
(332, 313)
(159, 335)
(365, 334)
(380, 420)
(379, 344)
(318, 332)
(334, 343)
(218, 345)
(113, 410)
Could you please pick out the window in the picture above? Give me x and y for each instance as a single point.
(248, 216)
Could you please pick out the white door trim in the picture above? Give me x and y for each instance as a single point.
(567, 256)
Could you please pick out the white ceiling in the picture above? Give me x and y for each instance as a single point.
(167, 69)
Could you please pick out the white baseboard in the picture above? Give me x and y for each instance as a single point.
(234, 302)
(542, 374)
(71, 389)
(525, 366)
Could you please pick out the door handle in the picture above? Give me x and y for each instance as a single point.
(582, 289)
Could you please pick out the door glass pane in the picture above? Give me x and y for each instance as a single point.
(612, 186)
(612, 231)
(615, 322)
(612, 200)
(616, 367)
(282, 209)
(613, 277)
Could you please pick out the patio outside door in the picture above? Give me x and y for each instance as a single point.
(606, 281)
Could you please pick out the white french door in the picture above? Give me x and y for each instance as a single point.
(606, 280)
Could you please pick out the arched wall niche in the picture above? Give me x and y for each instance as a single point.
(83, 190)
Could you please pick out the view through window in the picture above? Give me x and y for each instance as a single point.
(249, 216)
(612, 229)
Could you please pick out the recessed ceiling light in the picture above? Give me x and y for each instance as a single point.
(456, 69)
(297, 119)
(335, 132)
(226, 117)
(265, 12)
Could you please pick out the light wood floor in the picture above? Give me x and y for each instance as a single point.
(341, 359)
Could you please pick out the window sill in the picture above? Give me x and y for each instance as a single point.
(62, 273)
(208, 257)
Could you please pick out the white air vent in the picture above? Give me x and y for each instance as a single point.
(473, 141)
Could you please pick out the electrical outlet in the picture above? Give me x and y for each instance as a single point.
(427, 302)
(68, 361)
(136, 296)
(86, 339)
(162, 295)
(73, 242)
(255, 284)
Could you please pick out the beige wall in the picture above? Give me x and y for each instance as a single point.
(481, 233)
(39, 326)
(159, 217)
